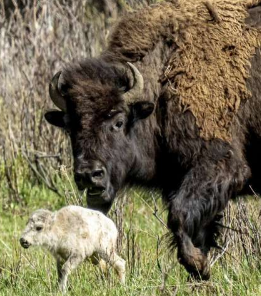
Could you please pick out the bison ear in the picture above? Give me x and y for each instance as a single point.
(141, 110)
(55, 118)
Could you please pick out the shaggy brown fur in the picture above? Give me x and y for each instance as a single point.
(208, 71)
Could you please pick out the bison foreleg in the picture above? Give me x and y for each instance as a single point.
(196, 206)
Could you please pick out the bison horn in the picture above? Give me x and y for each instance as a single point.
(55, 94)
(136, 91)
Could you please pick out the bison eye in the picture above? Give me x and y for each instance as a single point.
(39, 228)
(119, 124)
(112, 113)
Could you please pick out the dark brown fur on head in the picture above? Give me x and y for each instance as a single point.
(103, 127)
(93, 87)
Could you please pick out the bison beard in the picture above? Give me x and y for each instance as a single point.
(117, 142)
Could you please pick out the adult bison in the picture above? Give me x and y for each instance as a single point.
(170, 104)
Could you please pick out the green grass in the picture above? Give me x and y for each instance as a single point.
(32, 271)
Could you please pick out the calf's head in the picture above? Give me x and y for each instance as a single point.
(36, 229)
(101, 107)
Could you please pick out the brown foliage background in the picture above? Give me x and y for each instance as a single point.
(37, 38)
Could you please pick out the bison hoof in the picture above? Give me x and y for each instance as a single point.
(199, 275)
(195, 262)
(197, 266)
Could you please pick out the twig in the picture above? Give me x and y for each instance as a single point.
(221, 254)
(40, 176)
(155, 213)
(255, 194)
(48, 156)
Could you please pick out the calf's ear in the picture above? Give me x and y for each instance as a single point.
(55, 118)
(141, 110)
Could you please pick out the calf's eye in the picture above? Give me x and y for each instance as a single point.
(39, 228)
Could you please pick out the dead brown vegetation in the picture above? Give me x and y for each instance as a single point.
(38, 38)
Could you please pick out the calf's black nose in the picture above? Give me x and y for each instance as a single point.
(24, 243)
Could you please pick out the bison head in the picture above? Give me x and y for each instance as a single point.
(101, 108)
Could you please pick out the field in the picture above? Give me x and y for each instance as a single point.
(37, 38)
(152, 268)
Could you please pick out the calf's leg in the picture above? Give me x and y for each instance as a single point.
(63, 272)
(59, 265)
(96, 260)
(116, 262)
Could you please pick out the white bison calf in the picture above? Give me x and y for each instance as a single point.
(72, 234)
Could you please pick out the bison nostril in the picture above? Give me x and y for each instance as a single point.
(78, 177)
(98, 174)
